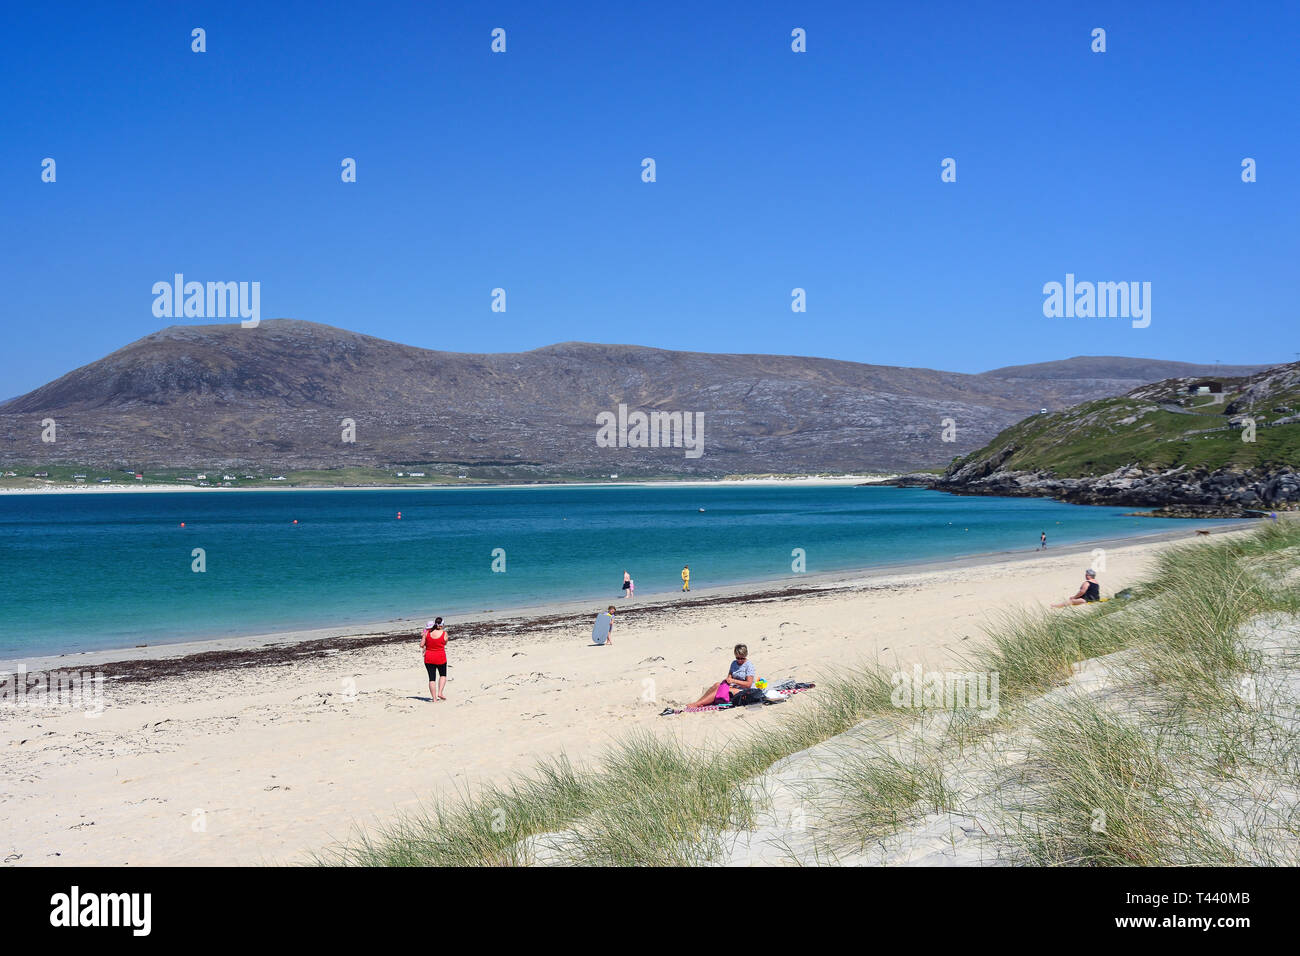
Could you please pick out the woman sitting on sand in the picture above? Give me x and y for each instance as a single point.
(1088, 592)
(740, 677)
(434, 643)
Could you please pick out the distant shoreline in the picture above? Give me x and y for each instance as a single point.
(92, 489)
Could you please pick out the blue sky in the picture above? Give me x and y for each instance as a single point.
(775, 170)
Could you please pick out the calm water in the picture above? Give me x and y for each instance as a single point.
(79, 572)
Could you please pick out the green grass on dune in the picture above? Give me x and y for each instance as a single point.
(1188, 783)
(649, 801)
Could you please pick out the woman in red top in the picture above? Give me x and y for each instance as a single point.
(434, 643)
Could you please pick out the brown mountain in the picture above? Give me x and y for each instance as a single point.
(274, 398)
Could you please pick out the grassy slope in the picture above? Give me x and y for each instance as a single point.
(1097, 437)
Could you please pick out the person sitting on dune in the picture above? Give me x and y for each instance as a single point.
(1088, 592)
(740, 678)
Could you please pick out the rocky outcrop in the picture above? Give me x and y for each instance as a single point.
(1062, 454)
(1175, 492)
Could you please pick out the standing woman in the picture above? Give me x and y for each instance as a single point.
(434, 643)
(627, 583)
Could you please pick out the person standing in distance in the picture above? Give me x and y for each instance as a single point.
(434, 643)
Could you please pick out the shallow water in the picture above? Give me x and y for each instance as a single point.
(84, 572)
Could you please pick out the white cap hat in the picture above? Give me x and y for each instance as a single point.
(429, 626)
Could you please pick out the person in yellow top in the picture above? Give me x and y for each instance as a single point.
(686, 578)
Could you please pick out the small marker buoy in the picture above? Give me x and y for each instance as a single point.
(295, 520)
(399, 516)
(182, 524)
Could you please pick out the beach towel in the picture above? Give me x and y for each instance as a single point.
(784, 694)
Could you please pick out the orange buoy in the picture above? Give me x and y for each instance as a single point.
(295, 520)
(182, 524)
(399, 516)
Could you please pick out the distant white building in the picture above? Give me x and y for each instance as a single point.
(417, 474)
(278, 478)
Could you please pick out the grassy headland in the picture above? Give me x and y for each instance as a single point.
(1160, 426)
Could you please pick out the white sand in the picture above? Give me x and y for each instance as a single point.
(129, 486)
(268, 763)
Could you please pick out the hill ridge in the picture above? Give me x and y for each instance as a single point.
(274, 396)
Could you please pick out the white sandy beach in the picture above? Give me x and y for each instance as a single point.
(61, 488)
(267, 763)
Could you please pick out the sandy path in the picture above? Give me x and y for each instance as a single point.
(268, 763)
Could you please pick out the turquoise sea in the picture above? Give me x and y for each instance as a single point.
(89, 571)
